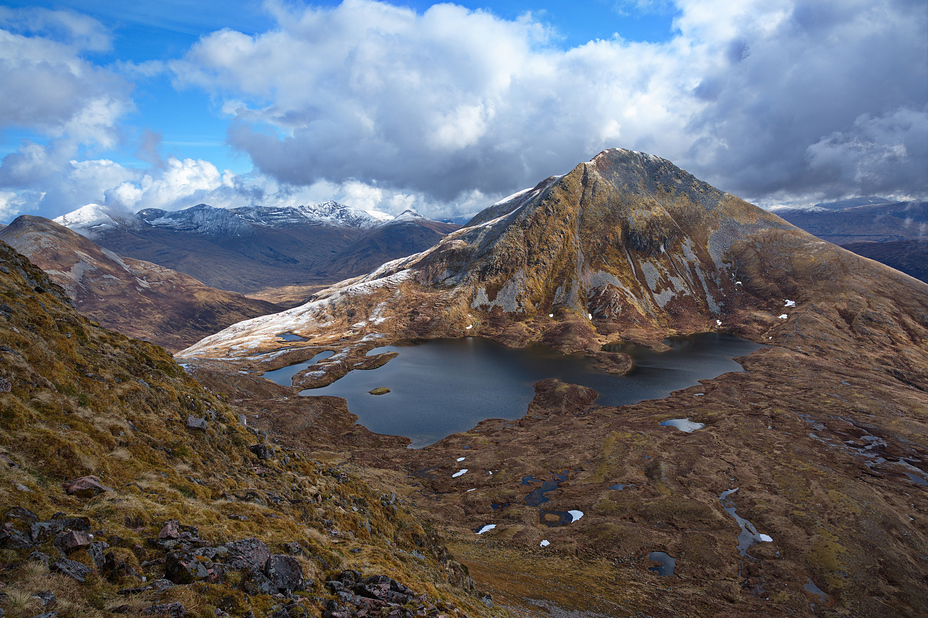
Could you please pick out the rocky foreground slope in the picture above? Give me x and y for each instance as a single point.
(134, 297)
(806, 490)
(126, 488)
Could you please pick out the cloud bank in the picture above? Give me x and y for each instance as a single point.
(445, 110)
(764, 98)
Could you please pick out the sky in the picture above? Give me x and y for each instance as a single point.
(446, 108)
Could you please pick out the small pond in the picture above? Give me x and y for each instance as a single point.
(446, 386)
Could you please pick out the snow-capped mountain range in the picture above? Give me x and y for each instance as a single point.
(92, 219)
(280, 253)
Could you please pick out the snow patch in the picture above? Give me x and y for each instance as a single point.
(790, 303)
(544, 543)
(486, 528)
(575, 515)
(783, 316)
(460, 472)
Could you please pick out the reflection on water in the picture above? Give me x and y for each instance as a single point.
(446, 386)
(666, 563)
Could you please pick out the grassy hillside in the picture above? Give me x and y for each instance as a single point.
(180, 483)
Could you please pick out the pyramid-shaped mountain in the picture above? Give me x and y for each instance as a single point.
(626, 247)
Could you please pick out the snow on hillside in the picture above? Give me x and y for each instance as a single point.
(205, 219)
(92, 218)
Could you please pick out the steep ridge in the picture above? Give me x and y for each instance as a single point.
(128, 488)
(136, 298)
(822, 445)
(280, 254)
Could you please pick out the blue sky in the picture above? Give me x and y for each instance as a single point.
(446, 108)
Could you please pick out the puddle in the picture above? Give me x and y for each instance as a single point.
(284, 376)
(559, 518)
(811, 588)
(916, 479)
(291, 337)
(666, 563)
(620, 486)
(537, 496)
(683, 424)
(749, 535)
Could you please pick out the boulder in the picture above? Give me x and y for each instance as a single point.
(72, 540)
(247, 554)
(285, 573)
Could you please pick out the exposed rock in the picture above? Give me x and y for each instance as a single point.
(183, 567)
(96, 551)
(42, 530)
(256, 582)
(47, 597)
(11, 538)
(175, 609)
(170, 530)
(72, 568)
(247, 554)
(72, 540)
(85, 487)
(38, 556)
(22, 513)
(284, 572)
(262, 451)
(196, 423)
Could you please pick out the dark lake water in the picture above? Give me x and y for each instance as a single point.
(441, 387)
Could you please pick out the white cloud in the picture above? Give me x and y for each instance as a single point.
(66, 102)
(450, 100)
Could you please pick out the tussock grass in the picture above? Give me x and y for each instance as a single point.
(99, 403)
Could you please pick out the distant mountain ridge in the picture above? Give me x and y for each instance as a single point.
(280, 254)
(210, 220)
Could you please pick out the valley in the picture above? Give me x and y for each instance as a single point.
(798, 486)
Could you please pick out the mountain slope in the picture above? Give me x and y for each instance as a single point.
(822, 445)
(188, 511)
(908, 256)
(134, 297)
(626, 243)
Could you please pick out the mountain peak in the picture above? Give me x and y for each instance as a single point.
(92, 219)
